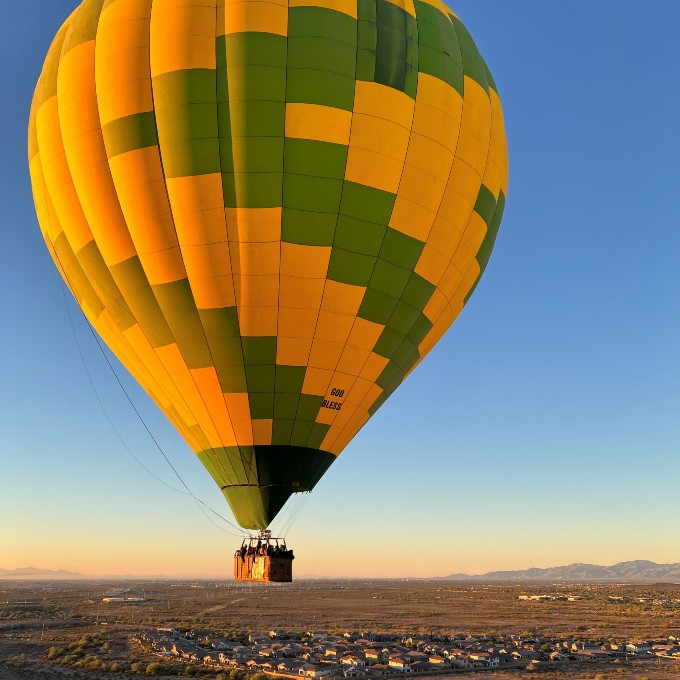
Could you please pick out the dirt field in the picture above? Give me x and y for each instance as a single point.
(37, 616)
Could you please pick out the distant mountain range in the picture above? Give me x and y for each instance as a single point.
(32, 572)
(637, 570)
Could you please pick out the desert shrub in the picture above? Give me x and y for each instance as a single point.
(136, 667)
(115, 667)
(152, 668)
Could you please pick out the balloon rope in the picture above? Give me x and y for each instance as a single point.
(187, 492)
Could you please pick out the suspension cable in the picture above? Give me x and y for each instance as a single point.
(202, 506)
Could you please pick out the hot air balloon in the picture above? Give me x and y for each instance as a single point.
(270, 210)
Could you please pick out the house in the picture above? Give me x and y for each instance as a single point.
(400, 662)
(353, 660)
(316, 670)
(373, 656)
(354, 671)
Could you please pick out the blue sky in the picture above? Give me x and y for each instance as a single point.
(544, 427)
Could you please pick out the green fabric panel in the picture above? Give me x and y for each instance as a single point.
(285, 406)
(130, 133)
(420, 329)
(418, 291)
(255, 81)
(323, 23)
(489, 241)
(439, 53)
(403, 317)
(130, 275)
(352, 268)
(473, 64)
(282, 431)
(388, 375)
(259, 350)
(403, 354)
(366, 203)
(377, 307)
(251, 154)
(388, 278)
(307, 228)
(367, 40)
(268, 476)
(290, 378)
(390, 65)
(251, 48)
(318, 159)
(98, 273)
(260, 377)
(252, 189)
(325, 54)
(264, 118)
(485, 205)
(76, 279)
(359, 236)
(223, 334)
(308, 407)
(300, 433)
(311, 86)
(400, 249)
(317, 435)
(186, 115)
(177, 303)
(316, 194)
(84, 24)
(261, 405)
(388, 342)
(490, 80)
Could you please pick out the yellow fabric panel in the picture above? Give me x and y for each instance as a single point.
(422, 187)
(359, 390)
(381, 101)
(475, 131)
(342, 298)
(239, 410)
(345, 6)
(255, 15)
(164, 266)
(307, 262)
(438, 302)
(182, 35)
(297, 323)
(330, 438)
(333, 327)
(300, 293)
(373, 169)
(496, 176)
(122, 59)
(379, 135)
(58, 178)
(373, 367)
(411, 218)
(86, 155)
(292, 351)
(365, 334)
(431, 264)
(317, 381)
(325, 354)
(216, 288)
(373, 393)
(136, 338)
(458, 299)
(257, 225)
(173, 360)
(262, 432)
(321, 123)
(470, 242)
(258, 321)
(352, 360)
(208, 385)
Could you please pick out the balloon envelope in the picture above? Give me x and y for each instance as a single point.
(269, 210)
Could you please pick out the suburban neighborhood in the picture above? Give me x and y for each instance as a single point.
(316, 654)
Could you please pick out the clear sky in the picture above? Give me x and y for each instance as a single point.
(544, 428)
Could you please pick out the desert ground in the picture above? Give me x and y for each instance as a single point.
(36, 617)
